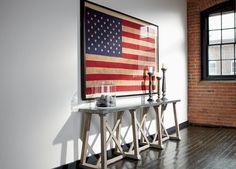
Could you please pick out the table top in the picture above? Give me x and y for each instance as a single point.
(118, 108)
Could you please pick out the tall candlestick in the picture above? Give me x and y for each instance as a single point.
(150, 86)
(163, 84)
(158, 88)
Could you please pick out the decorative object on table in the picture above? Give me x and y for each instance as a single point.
(117, 47)
(158, 87)
(163, 83)
(107, 96)
(150, 74)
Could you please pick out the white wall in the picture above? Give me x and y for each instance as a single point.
(39, 75)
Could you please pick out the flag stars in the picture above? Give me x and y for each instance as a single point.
(103, 33)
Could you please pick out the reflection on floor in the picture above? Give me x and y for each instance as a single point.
(200, 148)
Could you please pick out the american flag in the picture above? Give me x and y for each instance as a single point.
(118, 49)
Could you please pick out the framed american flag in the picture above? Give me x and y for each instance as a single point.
(117, 48)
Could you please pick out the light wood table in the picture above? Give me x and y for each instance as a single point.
(114, 132)
(161, 134)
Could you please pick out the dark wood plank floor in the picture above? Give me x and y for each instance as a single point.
(200, 148)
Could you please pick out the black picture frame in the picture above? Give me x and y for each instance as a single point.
(152, 44)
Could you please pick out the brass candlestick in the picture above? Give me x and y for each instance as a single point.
(158, 88)
(163, 84)
(150, 86)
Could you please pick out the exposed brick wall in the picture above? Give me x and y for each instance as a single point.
(209, 103)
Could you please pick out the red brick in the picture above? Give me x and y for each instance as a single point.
(209, 103)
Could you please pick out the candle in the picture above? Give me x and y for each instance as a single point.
(157, 75)
(150, 69)
(163, 66)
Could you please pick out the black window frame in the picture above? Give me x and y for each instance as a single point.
(220, 8)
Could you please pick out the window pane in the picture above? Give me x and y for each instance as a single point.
(214, 37)
(228, 20)
(226, 67)
(233, 67)
(214, 52)
(215, 21)
(228, 36)
(214, 68)
(227, 51)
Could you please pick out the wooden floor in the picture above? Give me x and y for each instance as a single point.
(200, 148)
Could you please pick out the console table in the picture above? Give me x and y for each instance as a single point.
(138, 127)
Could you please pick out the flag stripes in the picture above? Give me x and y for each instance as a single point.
(113, 77)
(127, 71)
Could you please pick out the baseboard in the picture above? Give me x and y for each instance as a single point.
(183, 125)
(209, 125)
(92, 159)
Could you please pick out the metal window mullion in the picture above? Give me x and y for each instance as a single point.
(234, 65)
(221, 45)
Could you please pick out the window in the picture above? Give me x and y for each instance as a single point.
(233, 67)
(212, 68)
(218, 40)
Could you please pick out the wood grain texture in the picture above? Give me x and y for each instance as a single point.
(200, 148)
